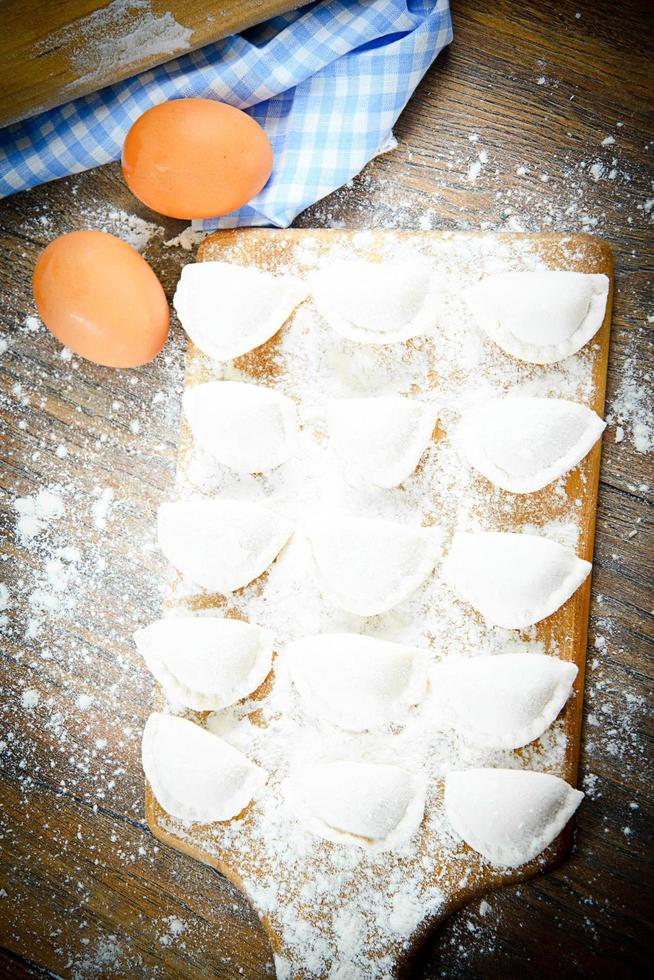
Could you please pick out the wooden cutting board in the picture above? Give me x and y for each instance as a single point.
(56, 51)
(461, 875)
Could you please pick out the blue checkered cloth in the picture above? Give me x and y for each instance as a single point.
(326, 82)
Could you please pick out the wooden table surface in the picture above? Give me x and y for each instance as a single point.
(508, 130)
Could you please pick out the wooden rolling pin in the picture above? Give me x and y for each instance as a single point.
(52, 51)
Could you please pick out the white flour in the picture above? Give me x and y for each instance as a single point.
(187, 239)
(136, 231)
(121, 34)
(631, 408)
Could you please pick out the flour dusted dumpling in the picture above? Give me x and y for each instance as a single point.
(221, 545)
(376, 302)
(522, 444)
(540, 317)
(508, 815)
(502, 701)
(228, 310)
(375, 806)
(249, 428)
(195, 775)
(366, 566)
(357, 682)
(206, 662)
(513, 580)
(380, 440)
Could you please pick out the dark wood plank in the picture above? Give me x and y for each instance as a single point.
(68, 801)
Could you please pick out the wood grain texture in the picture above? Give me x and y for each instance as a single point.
(461, 877)
(87, 893)
(54, 51)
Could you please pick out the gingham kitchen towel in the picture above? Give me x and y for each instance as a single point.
(326, 82)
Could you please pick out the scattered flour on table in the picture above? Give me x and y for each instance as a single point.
(186, 239)
(30, 698)
(71, 592)
(101, 506)
(33, 324)
(136, 231)
(176, 928)
(632, 407)
(34, 513)
(97, 216)
(57, 568)
(615, 717)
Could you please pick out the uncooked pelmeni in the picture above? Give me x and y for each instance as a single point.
(376, 806)
(367, 566)
(380, 440)
(249, 428)
(540, 317)
(195, 775)
(376, 302)
(357, 682)
(228, 310)
(522, 444)
(221, 545)
(508, 815)
(513, 580)
(502, 701)
(206, 662)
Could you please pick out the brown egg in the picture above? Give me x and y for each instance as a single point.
(99, 297)
(196, 158)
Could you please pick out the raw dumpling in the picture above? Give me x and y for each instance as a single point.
(375, 806)
(508, 815)
(206, 662)
(228, 310)
(249, 428)
(194, 774)
(367, 566)
(540, 317)
(513, 580)
(522, 444)
(357, 682)
(221, 545)
(380, 440)
(503, 701)
(376, 302)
